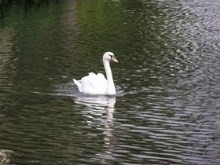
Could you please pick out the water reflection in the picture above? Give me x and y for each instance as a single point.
(99, 115)
(6, 53)
(97, 102)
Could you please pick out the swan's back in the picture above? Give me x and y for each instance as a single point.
(94, 84)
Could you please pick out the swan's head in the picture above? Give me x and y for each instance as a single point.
(109, 56)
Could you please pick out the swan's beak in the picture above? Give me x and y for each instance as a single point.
(114, 59)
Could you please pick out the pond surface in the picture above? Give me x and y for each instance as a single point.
(167, 110)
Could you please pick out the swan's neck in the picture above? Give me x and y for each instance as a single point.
(110, 83)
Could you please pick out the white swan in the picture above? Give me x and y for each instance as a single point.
(97, 84)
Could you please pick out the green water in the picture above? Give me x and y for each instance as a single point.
(167, 79)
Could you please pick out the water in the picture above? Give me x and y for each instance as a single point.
(167, 107)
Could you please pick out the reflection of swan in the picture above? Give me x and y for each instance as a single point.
(96, 101)
(97, 84)
(99, 114)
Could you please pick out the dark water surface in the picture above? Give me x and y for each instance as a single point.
(167, 110)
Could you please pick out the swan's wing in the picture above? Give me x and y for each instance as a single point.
(102, 77)
(94, 84)
(89, 80)
(100, 81)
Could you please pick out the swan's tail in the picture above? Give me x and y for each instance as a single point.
(79, 85)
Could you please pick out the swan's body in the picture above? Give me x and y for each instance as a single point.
(97, 84)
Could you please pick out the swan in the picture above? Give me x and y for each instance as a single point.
(97, 84)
